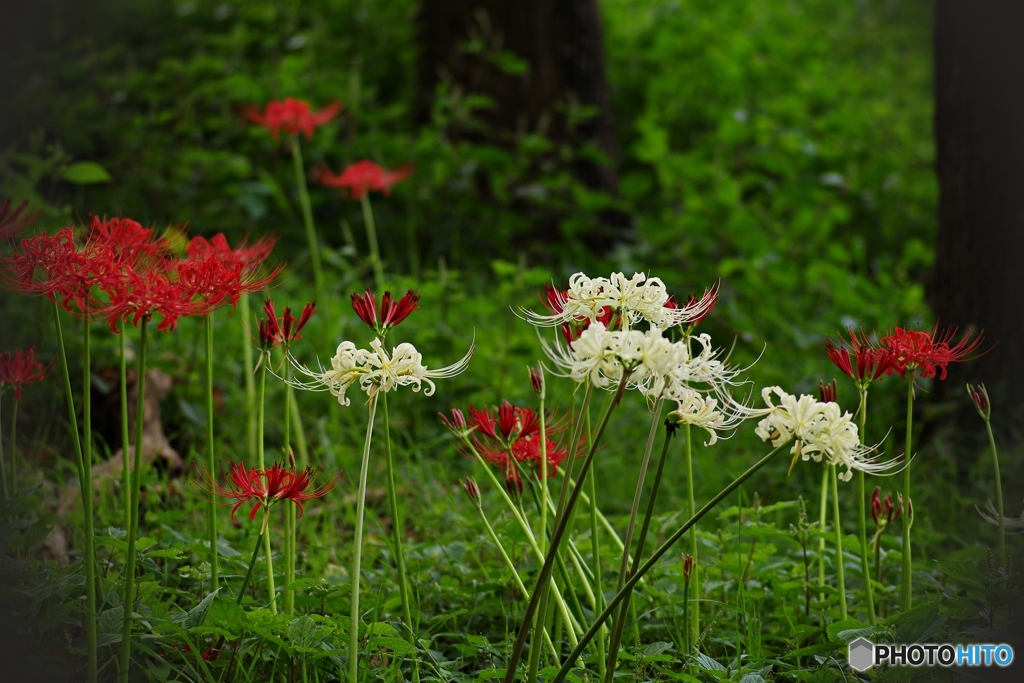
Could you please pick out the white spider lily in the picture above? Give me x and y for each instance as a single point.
(634, 299)
(601, 356)
(377, 371)
(821, 432)
(1013, 525)
(703, 411)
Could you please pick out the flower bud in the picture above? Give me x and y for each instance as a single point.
(689, 564)
(876, 504)
(888, 508)
(979, 397)
(827, 392)
(457, 423)
(537, 380)
(472, 490)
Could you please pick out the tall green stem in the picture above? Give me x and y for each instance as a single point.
(566, 504)
(252, 562)
(211, 462)
(289, 510)
(90, 555)
(822, 520)
(620, 618)
(126, 470)
(307, 218)
(133, 526)
(655, 556)
(865, 568)
(998, 491)
(90, 536)
(691, 507)
(906, 581)
(357, 555)
(260, 422)
(371, 238)
(616, 639)
(13, 450)
(397, 531)
(595, 546)
(250, 377)
(3, 466)
(840, 571)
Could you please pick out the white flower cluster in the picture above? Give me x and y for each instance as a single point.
(822, 432)
(704, 412)
(376, 371)
(630, 299)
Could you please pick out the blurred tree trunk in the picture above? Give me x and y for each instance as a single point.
(979, 130)
(541, 63)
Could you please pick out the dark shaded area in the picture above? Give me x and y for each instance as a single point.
(541, 63)
(980, 246)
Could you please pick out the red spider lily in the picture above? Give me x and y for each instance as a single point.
(528, 449)
(20, 368)
(264, 486)
(512, 422)
(36, 267)
(929, 353)
(701, 306)
(13, 222)
(391, 312)
(127, 241)
(979, 397)
(360, 178)
(220, 275)
(866, 363)
(136, 297)
(291, 116)
(276, 331)
(827, 392)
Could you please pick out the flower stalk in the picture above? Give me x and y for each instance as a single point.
(906, 581)
(211, 516)
(371, 239)
(260, 423)
(863, 521)
(653, 559)
(307, 217)
(133, 526)
(353, 629)
(693, 611)
(840, 570)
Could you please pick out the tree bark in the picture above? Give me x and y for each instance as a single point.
(979, 130)
(541, 63)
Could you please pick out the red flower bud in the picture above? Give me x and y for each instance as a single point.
(876, 504)
(689, 564)
(979, 397)
(827, 392)
(536, 379)
(472, 490)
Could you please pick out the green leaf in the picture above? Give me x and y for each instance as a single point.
(836, 627)
(302, 633)
(197, 615)
(226, 614)
(396, 645)
(85, 173)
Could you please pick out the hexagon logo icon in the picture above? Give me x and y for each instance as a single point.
(861, 654)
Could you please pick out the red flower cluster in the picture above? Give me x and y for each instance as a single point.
(13, 222)
(120, 271)
(512, 436)
(20, 368)
(292, 116)
(692, 301)
(392, 312)
(362, 177)
(276, 331)
(265, 486)
(926, 353)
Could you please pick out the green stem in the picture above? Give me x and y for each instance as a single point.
(840, 571)
(289, 510)
(126, 470)
(371, 238)
(906, 582)
(398, 530)
(260, 424)
(353, 629)
(598, 591)
(133, 526)
(655, 556)
(250, 377)
(252, 564)
(211, 464)
(998, 492)
(87, 488)
(620, 618)
(865, 568)
(90, 586)
(822, 521)
(307, 218)
(515, 575)
(13, 449)
(3, 469)
(691, 506)
(565, 509)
